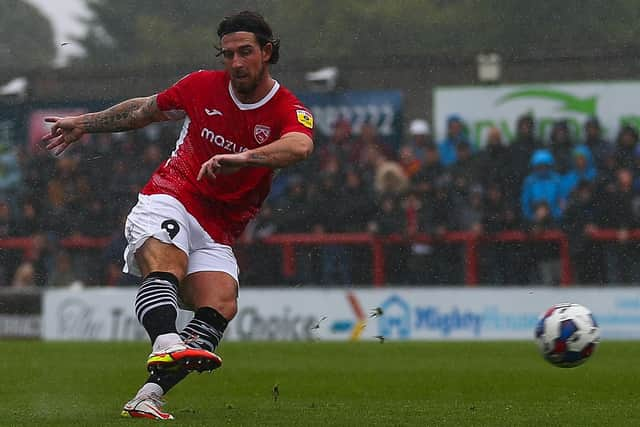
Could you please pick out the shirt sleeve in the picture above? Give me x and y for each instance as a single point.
(173, 98)
(298, 118)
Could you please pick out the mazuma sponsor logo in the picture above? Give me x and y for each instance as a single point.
(221, 141)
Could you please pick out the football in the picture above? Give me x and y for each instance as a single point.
(567, 334)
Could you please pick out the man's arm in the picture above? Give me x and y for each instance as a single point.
(130, 114)
(292, 148)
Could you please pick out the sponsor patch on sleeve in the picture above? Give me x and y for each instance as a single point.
(305, 118)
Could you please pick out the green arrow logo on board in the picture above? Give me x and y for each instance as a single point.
(571, 102)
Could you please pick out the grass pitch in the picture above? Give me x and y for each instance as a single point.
(326, 384)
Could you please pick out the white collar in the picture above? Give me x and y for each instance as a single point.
(258, 104)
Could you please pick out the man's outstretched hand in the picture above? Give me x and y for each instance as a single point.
(64, 132)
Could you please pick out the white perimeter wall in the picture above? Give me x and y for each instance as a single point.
(409, 313)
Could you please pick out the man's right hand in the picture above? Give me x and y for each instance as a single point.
(64, 132)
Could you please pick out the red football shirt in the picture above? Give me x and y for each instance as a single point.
(217, 122)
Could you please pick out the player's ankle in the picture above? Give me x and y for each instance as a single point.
(150, 388)
(166, 340)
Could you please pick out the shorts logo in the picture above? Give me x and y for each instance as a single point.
(305, 118)
(261, 133)
(171, 226)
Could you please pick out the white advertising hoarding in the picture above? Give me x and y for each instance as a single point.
(338, 314)
(481, 107)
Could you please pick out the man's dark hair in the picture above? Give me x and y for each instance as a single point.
(251, 22)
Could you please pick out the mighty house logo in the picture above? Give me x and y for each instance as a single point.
(567, 101)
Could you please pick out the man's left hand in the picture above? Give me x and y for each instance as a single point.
(222, 164)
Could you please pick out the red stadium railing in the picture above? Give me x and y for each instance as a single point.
(469, 240)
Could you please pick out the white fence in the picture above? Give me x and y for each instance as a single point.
(339, 314)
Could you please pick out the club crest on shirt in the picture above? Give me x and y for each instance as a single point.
(261, 133)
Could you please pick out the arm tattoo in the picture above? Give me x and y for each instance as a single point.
(127, 115)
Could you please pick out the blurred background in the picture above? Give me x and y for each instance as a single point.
(457, 142)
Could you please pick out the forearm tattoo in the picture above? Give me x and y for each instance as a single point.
(258, 157)
(130, 114)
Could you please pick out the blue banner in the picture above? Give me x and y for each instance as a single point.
(382, 108)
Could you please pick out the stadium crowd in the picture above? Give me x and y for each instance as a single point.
(353, 183)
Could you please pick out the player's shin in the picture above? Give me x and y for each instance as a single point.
(157, 308)
(205, 330)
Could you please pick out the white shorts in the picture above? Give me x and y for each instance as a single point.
(165, 218)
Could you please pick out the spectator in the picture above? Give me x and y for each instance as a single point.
(542, 185)
(409, 162)
(430, 171)
(24, 276)
(95, 219)
(582, 170)
(152, 157)
(545, 254)
(439, 220)
(62, 192)
(37, 169)
(599, 148)
(9, 259)
(339, 146)
(493, 160)
(501, 261)
(464, 172)
(626, 146)
(616, 210)
(421, 138)
(354, 204)
(580, 219)
(294, 220)
(260, 255)
(63, 274)
(388, 217)
(6, 220)
(455, 134)
(111, 257)
(390, 179)
(470, 211)
(369, 137)
(10, 174)
(418, 254)
(28, 221)
(519, 154)
(561, 146)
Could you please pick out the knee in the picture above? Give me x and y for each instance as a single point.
(223, 297)
(158, 256)
(226, 303)
(230, 309)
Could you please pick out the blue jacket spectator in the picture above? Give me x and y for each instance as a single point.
(542, 185)
(583, 170)
(455, 135)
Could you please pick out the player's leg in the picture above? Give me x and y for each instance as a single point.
(213, 295)
(157, 232)
(163, 266)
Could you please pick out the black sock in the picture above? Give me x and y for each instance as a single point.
(157, 304)
(204, 331)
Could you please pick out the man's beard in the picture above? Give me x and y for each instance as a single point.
(248, 87)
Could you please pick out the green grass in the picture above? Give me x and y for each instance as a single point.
(327, 384)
